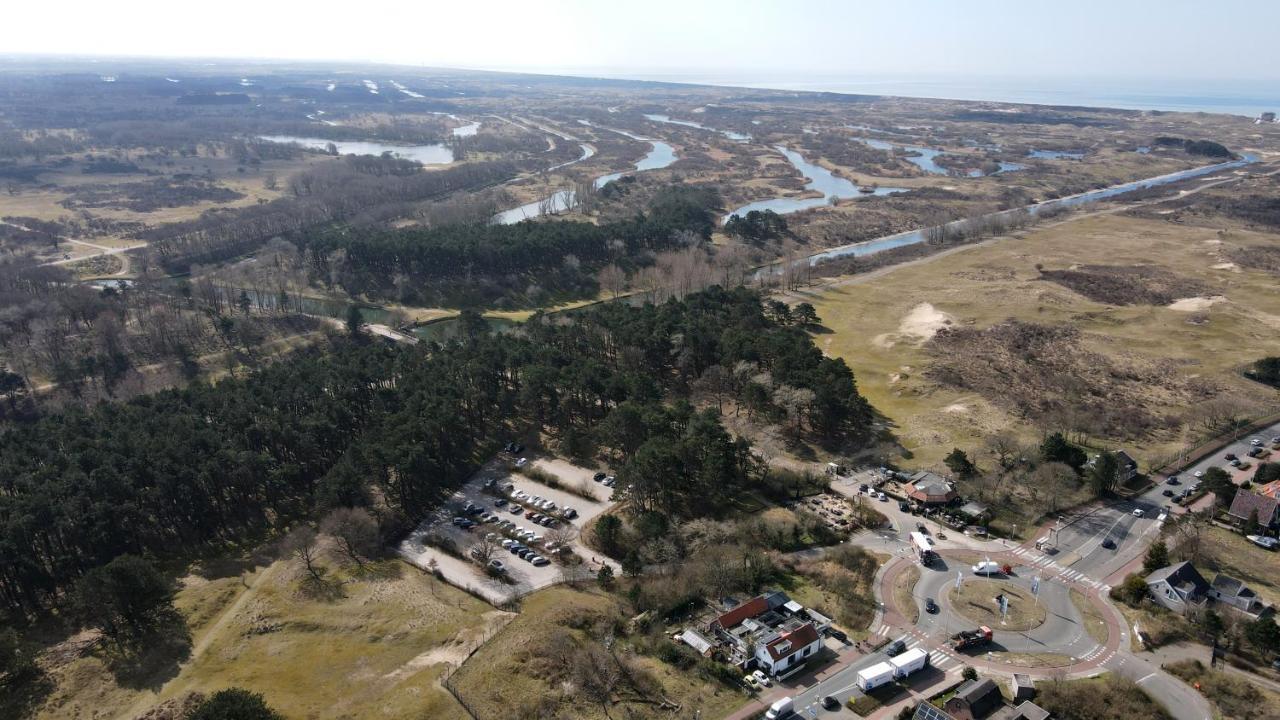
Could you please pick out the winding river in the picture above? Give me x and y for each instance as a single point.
(425, 154)
(660, 155)
(817, 179)
(734, 136)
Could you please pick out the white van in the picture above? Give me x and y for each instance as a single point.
(783, 708)
(986, 567)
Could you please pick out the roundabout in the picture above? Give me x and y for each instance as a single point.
(1045, 624)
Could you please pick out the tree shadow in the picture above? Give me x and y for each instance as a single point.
(153, 660)
(322, 589)
(19, 697)
(381, 570)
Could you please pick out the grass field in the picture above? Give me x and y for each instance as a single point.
(975, 601)
(903, 585)
(1234, 555)
(1109, 697)
(1094, 624)
(880, 325)
(1234, 697)
(381, 647)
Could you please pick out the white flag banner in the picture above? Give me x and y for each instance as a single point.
(959, 579)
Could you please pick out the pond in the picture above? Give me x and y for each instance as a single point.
(425, 154)
(817, 179)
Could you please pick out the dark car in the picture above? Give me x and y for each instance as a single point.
(1230, 456)
(500, 502)
(897, 647)
(903, 507)
(830, 703)
(1173, 480)
(930, 606)
(1109, 544)
(838, 634)
(1167, 493)
(598, 477)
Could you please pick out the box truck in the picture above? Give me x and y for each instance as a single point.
(875, 676)
(909, 662)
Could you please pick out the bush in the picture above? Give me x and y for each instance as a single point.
(234, 704)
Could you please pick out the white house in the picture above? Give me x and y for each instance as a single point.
(788, 649)
(1179, 587)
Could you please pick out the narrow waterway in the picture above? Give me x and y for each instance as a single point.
(817, 179)
(425, 154)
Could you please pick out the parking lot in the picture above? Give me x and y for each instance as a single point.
(502, 505)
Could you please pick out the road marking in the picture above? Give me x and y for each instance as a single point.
(1148, 677)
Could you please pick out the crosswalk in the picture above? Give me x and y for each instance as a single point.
(941, 658)
(1048, 565)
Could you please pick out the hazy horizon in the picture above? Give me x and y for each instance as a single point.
(1181, 40)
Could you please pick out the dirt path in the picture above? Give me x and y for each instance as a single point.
(215, 632)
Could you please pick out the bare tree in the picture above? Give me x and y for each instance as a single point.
(355, 531)
(613, 279)
(302, 544)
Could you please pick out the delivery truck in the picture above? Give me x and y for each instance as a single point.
(971, 638)
(909, 662)
(875, 676)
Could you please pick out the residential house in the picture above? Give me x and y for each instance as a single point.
(1028, 710)
(1178, 587)
(789, 649)
(1235, 594)
(1260, 506)
(1128, 466)
(974, 700)
(927, 488)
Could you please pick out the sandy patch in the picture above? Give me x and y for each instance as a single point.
(957, 409)
(1195, 304)
(456, 650)
(1226, 266)
(922, 323)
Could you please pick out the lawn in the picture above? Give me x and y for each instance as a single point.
(974, 600)
(880, 325)
(382, 644)
(1234, 555)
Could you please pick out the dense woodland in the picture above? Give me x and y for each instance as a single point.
(476, 263)
(171, 473)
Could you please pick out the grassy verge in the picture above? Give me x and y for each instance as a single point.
(1234, 697)
(1094, 623)
(903, 585)
(1109, 697)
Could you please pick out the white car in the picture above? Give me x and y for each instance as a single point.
(762, 678)
(1199, 473)
(522, 462)
(1255, 442)
(1137, 512)
(1164, 515)
(987, 567)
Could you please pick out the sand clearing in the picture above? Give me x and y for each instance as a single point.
(1226, 266)
(922, 323)
(1195, 304)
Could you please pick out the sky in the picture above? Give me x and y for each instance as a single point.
(1233, 40)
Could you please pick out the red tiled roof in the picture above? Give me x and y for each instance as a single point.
(749, 609)
(1271, 489)
(800, 638)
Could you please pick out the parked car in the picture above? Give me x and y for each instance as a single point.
(516, 509)
(837, 634)
(751, 682)
(904, 507)
(599, 477)
(1173, 480)
(522, 462)
(1138, 512)
(1109, 544)
(1167, 492)
(1229, 456)
(459, 520)
(1255, 441)
(830, 703)
(506, 544)
(497, 566)
(569, 513)
(500, 502)
(1198, 473)
(764, 679)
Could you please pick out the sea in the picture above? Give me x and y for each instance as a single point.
(1234, 97)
